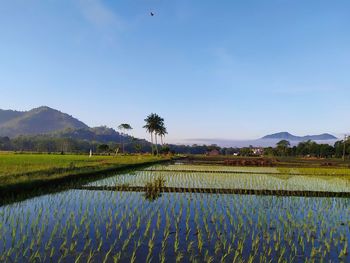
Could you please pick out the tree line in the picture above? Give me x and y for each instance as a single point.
(43, 143)
(310, 148)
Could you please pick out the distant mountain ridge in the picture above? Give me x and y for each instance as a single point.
(40, 120)
(291, 137)
(7, 115)
(100, 134)
(47, 121)
(53, 123)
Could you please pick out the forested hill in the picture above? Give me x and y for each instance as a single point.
(40, 120)
(100, 134)
(7, 115)
(291, 137)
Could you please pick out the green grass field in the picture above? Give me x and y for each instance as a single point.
(28, 168)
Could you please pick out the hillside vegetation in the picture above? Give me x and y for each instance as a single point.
(36, 121)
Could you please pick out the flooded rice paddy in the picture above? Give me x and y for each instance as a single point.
(96, 223)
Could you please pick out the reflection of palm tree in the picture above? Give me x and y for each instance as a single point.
(123, 127)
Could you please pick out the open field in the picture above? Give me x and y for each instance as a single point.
(167, 214)
(22, 169)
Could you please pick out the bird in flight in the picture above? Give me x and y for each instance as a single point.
(152, 14)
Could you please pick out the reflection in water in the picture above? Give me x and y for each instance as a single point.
(167, 215)
(85, 225)
(152, 196)
(154, 187)
(217, 180)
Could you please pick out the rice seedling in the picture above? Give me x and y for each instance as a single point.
(102, 225)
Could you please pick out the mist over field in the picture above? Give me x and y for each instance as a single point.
(245, 143)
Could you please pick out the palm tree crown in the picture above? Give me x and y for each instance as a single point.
(123, 127)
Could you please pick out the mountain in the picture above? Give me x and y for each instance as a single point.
(7, 115)
(36, 121)
(100, 134)
(53, 123)
(291, 137)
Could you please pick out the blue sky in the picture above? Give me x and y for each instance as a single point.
(212, 69)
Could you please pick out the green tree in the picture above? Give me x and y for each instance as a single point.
(245, 151)
(282, 147)
(165, 149)
(103, 148)
(339, 148)
(138, 147)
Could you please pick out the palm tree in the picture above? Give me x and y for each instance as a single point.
(149, 127)
(123, 127)
(154, 124)
(161, 132)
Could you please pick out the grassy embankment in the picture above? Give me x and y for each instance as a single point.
(30, 170)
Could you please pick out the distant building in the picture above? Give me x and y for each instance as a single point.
(258, 151)
(213, 152)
